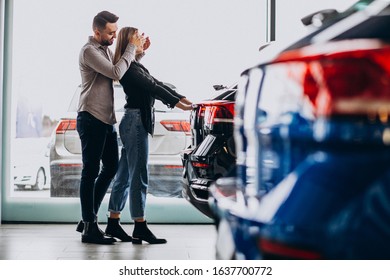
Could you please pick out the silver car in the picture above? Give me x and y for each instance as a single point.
(171, 136)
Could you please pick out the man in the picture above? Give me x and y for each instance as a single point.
(96, 119)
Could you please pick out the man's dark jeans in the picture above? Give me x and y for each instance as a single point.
(99, 143)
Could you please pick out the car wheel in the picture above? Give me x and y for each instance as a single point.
(40, 180)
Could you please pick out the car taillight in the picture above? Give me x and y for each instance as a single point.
(200, 164)
(173, 166)
(65, 125)
(70, 165)
(216, 116)
(344, 80)
(198, 116)
(273, 249)
(174, 125)
(219, 114)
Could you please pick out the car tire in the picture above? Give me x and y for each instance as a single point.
(40, 180)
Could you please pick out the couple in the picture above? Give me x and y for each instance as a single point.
(99, 67)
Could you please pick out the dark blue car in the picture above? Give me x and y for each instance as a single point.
(312, 134)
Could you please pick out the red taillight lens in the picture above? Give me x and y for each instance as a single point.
(219, 114)
(173, 166)
(70, 165)
(200, 112)
(283, 251)
(200, 165)
(65, 125)
(342, 79)
(352, 86)
(174, 125)
(186, 126)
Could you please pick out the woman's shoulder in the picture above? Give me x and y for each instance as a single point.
(135, 65)
(138, 67)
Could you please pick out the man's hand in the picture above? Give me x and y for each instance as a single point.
(138, 41)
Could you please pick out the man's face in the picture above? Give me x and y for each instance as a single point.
(107, 36)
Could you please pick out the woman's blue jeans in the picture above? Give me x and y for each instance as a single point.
(99, 143)
(131, 179)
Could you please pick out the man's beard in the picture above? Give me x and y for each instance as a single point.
(106, 43)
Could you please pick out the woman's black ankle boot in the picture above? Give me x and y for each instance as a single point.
(114, 229)
(142, 232)
(92, 234)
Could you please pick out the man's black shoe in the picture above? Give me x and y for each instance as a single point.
(92, 234)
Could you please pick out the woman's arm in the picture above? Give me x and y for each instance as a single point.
(184, 107)
(137, 77)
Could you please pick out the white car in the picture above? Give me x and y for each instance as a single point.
(171, 136)
(30, 163)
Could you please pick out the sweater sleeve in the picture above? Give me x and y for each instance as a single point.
(99, 63)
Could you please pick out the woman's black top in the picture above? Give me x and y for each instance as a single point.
(142, 89)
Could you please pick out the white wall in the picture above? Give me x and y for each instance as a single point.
(195, 43)
(289, 14)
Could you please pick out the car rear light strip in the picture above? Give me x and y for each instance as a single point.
(65, 125)
(173, 125)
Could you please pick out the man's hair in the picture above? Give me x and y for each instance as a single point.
(101, 19)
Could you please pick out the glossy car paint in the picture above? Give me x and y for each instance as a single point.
(321, 139)
(211, 154)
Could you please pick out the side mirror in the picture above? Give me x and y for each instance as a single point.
(318, 18)
(219, 87)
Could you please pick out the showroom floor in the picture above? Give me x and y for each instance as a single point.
(62, 242)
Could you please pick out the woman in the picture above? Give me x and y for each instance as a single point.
(138, 121)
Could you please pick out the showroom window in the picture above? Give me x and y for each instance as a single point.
(195, 45)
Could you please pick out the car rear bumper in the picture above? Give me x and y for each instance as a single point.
(202, 166)
(197, 195)
(65, 179)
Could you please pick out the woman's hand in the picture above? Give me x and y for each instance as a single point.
(185, 101)
(184, 107)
